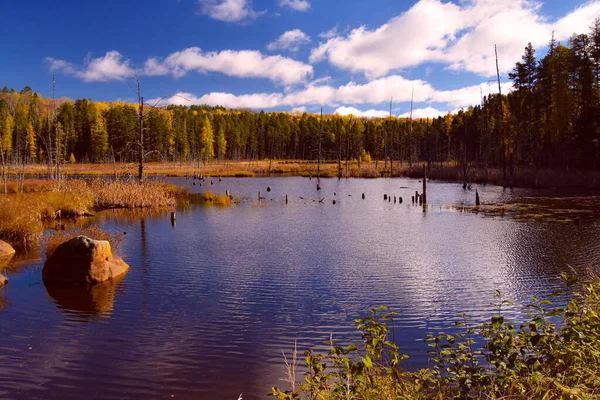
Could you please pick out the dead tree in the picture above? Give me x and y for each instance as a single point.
(410, 130)
(501, 117)
(320, 136)
(58, 177)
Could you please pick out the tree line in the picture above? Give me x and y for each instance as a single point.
(550, 119)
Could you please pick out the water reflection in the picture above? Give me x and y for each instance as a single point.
(89, 300)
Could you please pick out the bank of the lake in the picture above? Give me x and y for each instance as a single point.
(526, 177)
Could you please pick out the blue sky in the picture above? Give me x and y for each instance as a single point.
(348, 56)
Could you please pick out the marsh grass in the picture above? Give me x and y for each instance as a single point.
(22, 214)
(51, 242)
(221, 200)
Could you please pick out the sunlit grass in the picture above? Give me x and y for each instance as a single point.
(22, 214)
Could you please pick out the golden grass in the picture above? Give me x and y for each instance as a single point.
(222, 200)
(22, 214)
(524, 177)
(249, 168)
(52, 242)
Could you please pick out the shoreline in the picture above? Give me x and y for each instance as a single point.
(523, 177)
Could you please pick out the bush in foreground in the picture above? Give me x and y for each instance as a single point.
(554, 355)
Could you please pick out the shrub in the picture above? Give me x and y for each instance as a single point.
(553, 355)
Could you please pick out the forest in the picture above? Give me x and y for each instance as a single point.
(550, 119)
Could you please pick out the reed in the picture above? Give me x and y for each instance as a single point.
(22, 215)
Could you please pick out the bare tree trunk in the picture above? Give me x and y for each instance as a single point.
(348, 147)
(339, 154)
(501, 117)
(141, 133)
(49, 150)
(391, 147)
(58, 177)
(320, 135)
(410, 130)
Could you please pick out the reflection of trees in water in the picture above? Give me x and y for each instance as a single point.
(89, 300)
(131, 215)
(542, 251)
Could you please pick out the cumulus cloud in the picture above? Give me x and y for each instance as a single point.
(241, 64)
(296, 5)
(358, 113)
(228, 10)
(374, 92)
(460, 34)
(427, 112)
(290, 40)
(110, 67)
(299, 110)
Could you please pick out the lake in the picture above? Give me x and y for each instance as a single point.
(210, 304)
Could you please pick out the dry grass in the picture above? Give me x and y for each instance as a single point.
(52, 242)
(222, 200)
(225, 169)
(524, 177)
(22, 214)
(123, 194)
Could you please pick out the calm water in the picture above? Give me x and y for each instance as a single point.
(209, 305)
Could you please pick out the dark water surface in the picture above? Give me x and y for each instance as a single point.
(209, 305)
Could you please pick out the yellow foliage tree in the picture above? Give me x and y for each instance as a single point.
(31, 146)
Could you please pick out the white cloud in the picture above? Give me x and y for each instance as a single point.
(461, 35)
(228, 10)
(299, 110)
(427, 112)
(297, 5)
(375, 92)
(333, 32)
(358, 113)
(470, 95)
(290, 40)
(102, 69)
(241, 64)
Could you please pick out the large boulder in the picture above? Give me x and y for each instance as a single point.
(82, 261)
(3, 280)
(6, 250)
